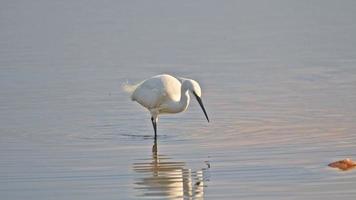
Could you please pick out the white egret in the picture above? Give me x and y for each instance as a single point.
(165, 94)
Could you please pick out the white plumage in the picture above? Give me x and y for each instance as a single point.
(164, 94)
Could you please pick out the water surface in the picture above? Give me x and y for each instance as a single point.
(278, 79)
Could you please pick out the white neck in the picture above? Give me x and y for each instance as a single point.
(184, 99)
(182, 104)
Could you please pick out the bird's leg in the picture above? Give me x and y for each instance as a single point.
(154, 149)
(154, 123)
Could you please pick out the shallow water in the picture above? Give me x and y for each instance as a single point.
(278, 79)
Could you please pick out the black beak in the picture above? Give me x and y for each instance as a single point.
(201, 105)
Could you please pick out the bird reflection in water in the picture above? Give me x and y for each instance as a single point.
(169, 179)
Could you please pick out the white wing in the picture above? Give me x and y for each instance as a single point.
(157, 90)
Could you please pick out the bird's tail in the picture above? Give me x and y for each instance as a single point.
(129, 88)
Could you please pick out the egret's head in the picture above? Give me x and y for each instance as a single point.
(194, 88)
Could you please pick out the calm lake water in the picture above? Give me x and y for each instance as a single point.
(278, 80)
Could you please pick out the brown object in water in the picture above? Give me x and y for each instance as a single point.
(343, 164)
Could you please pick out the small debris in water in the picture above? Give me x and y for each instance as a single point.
(343, 164)
(207, 163)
